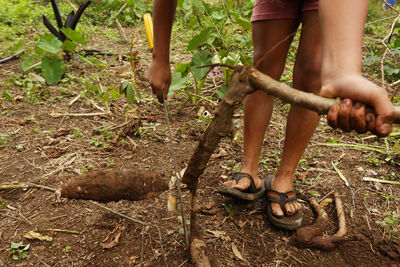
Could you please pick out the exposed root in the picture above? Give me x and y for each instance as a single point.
(311, 236)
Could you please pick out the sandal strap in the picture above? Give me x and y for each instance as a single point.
(240, 175)
(281, 198)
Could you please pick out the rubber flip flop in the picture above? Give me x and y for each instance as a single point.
(249, 194)
(286, 222)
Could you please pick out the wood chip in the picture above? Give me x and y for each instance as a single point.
(36, 236)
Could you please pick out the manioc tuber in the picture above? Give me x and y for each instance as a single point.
(113, 185)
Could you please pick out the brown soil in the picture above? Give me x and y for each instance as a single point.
(39, 148)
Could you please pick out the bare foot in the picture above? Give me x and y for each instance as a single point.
(244, 182)
(284, 185)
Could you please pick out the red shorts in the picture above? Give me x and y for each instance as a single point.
(281, 9)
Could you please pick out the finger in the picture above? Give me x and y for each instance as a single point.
(370, 120)
(344, 114)
(332, 116)
(385, 111)
(383, 125)
(357, 118)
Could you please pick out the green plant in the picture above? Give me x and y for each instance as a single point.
(180, 228)
(48, 54)
(19, 251)
(67, 249)
(229, 208)
(180, 79)
(390, 222)
(3, 203)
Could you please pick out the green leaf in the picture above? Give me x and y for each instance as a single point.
(52, 46)
(115, 94)
(27, 63)
(69, 45)
(182, 68)
(84, 59)
(16, 245)
(74, 35)
(9, 98)
(199, 59)
(246, 24)
(19, 44)
(15, 257)
(23, 255)
(178, 82)
(222, 91)
(397, 42)
(53, 69)
(27, 247)
(198, 39)
(218, 15)
(130, 96)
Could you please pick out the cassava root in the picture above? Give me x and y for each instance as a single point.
(311, 236)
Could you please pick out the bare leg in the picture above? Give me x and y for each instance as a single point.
(258, 106)
(301, 122)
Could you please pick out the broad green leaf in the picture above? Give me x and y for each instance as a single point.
(15, 257)
(52, 46)
(199, 39)
(130, 96)
(69, 45)
(178, 82)
(200, 59)
(74, 35)
(182, 68)
(53, 69)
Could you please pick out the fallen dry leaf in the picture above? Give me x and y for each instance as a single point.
(236, 252)
(239, 223)
(36, 236)
(56, 152)
(208, 208)
(18, 98)
(220, 234)
(221, 154)
(112, 239)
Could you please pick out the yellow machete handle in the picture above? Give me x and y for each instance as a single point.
(148, 24)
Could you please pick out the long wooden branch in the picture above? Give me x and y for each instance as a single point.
(310, 101)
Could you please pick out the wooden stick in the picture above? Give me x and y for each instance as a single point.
(12, 57)
(53, 114)
(319, 104)
(58, 230)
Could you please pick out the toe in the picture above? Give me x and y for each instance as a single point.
(290, 209)
(276, 209)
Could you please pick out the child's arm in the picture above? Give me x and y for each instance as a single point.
(342, 23)
(160, 71)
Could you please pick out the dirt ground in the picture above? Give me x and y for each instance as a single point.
(38, 147)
